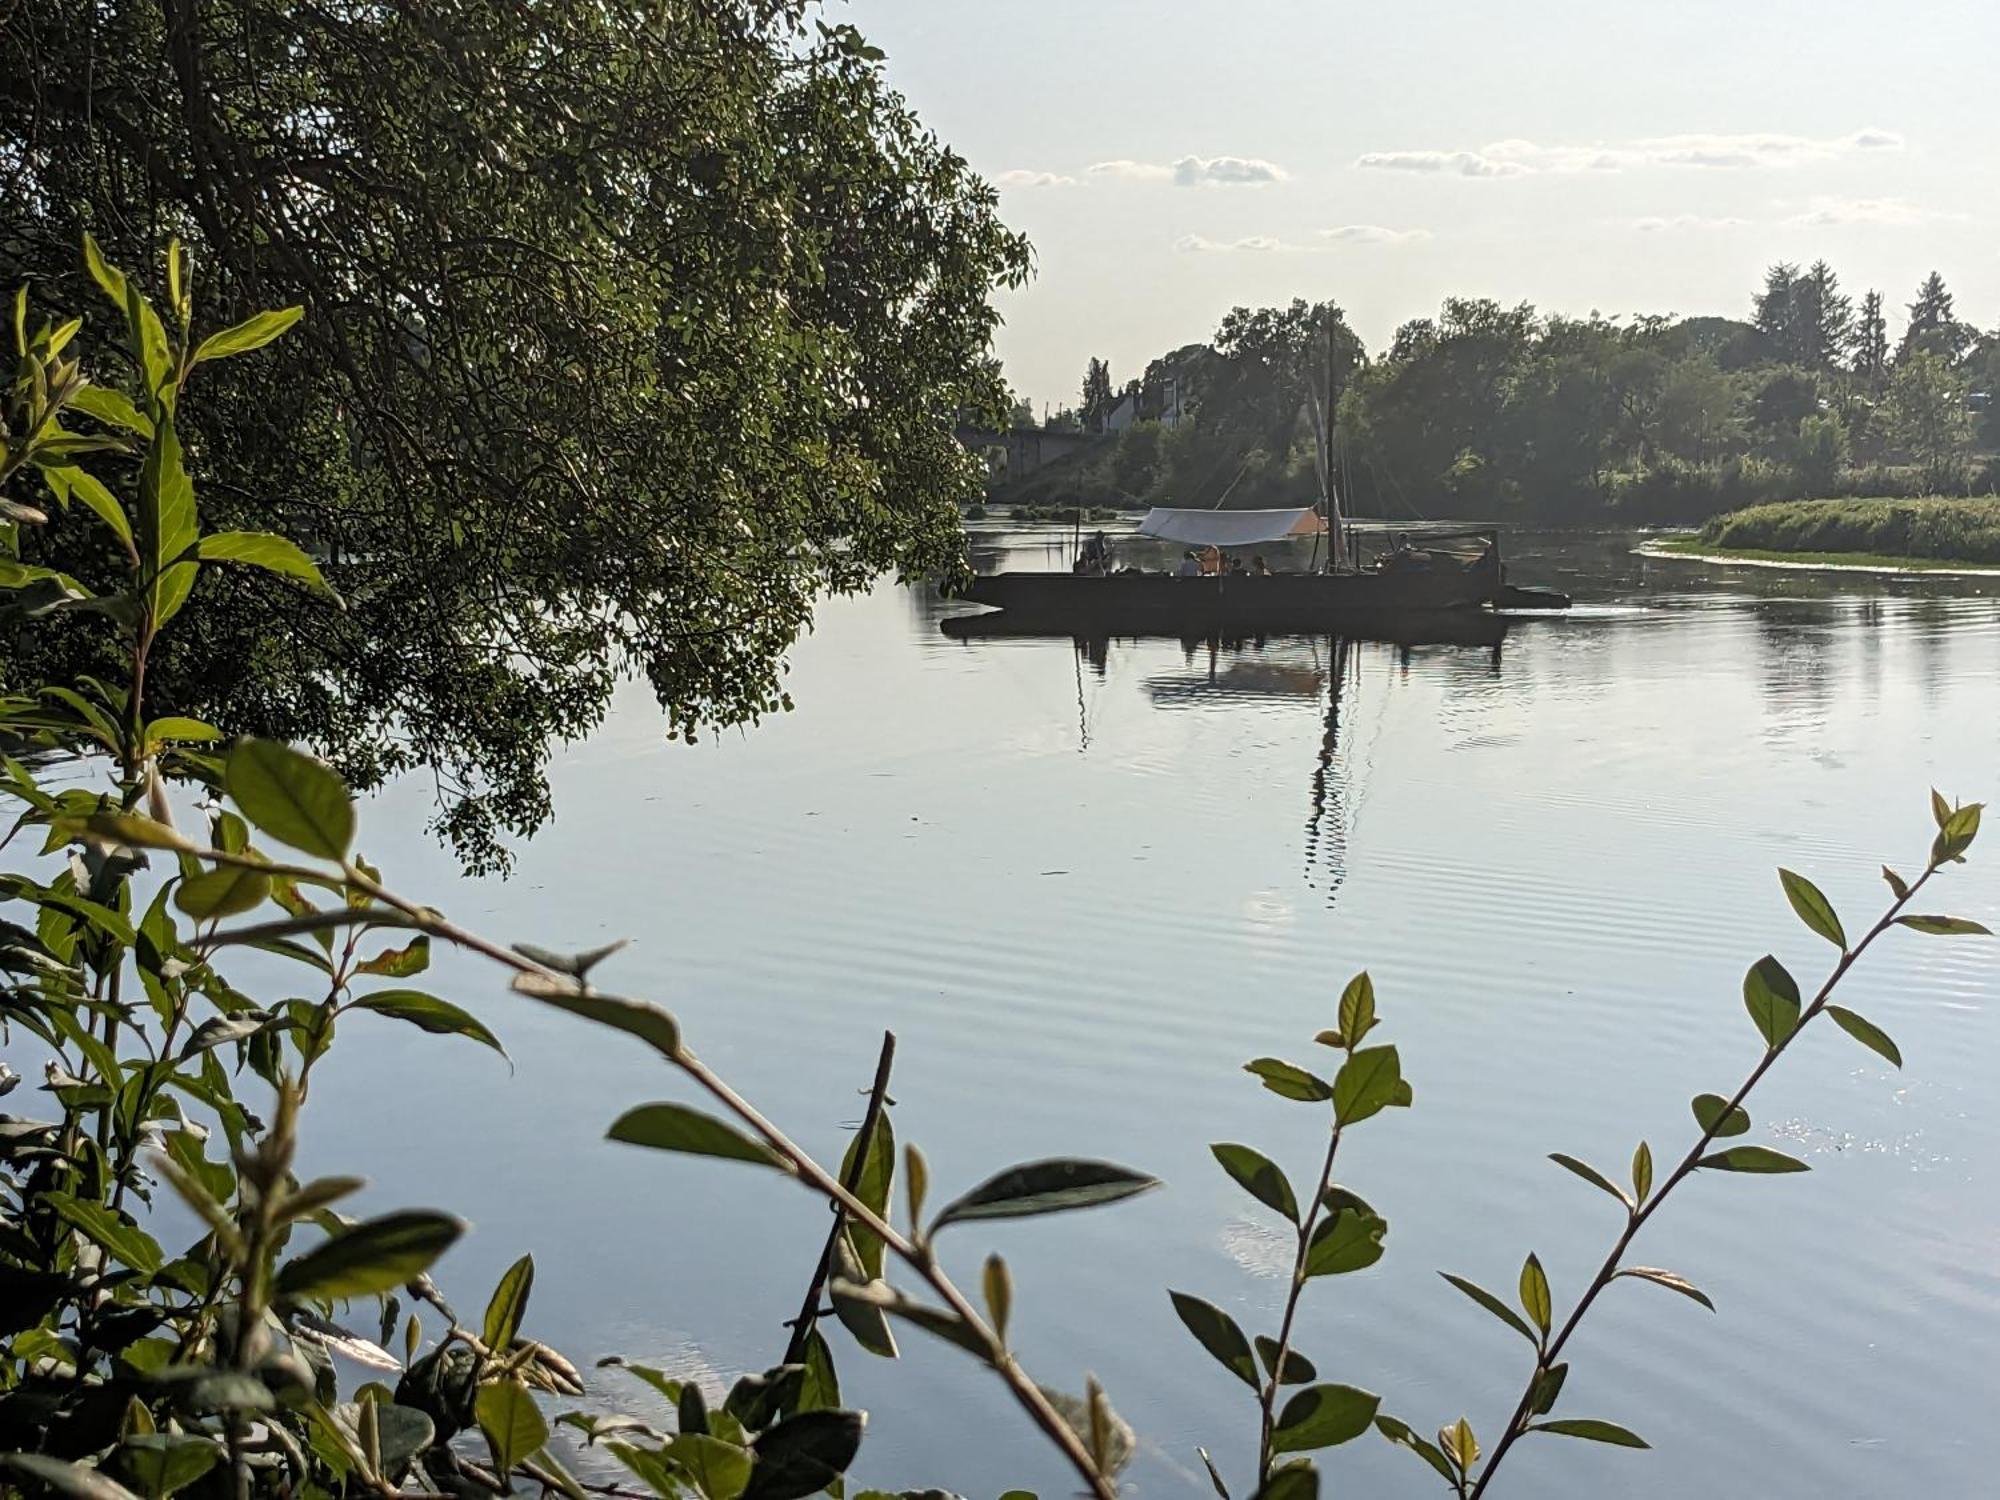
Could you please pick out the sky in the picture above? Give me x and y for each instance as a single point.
(1174, 159)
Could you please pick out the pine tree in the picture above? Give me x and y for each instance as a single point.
(1825, 317)
(1871, 342)
(1097, 395)
(1934, 326)
(1777, 311)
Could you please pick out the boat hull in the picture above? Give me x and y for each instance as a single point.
(1159, 603)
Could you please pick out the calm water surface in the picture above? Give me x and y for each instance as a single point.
(1084, 885)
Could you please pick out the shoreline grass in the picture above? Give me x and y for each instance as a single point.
(1693, 548)
(1919, 535)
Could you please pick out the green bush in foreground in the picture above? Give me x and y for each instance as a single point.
(129, 1370)
(1944, 529)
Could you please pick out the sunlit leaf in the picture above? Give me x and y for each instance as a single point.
(1669, 1280)
(1592, 1176)
(1535, 1293)
(252, 333)
(512, 1424)
(1289, 1081)
(1493, 1305)
(1349, 1240)
(439, 1017)
(1945, 926)
(1771, 996)
(295, 799)
(1866, 1032)
(377, 1255)
(1357, 1009)
(1370, 1081)
(508, 1304)
(1595, 1431)
(1714, 1114)
(1813, 908)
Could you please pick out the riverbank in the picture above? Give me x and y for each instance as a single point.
(1693, 548)
(1926, 535)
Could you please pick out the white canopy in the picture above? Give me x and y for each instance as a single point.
(1230, 528)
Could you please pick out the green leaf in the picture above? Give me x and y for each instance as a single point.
(1866, 1032)
(1219, 1334)
(158, 1463)
(1351, 1240)
(820, 1390)
(1713, 1113)
(377, 1255)
(1370, 1081)
(263, 549)
(937, 1321)
(649, 1023)
(1297, 1480)
(997, 1284)
(1642, 1172)
(507, 1305)
(399, 963)
(1404, 1435)
(225, 891)
(100, 501)
(252, 333)
(1896, 883)
(1357, 1008)
(175, 728)
(113, 408)
(1258, 1176)
(1752, 1159)
(1669, 1280)
(1493, 1305)
(1548, 1387)
(1771, 996)
(1056, 1185)
(804, 1454)
(1289, 1081)
(73, 1481)
(1324, 1416)
(512, 1423)
(1940, 809)
(167, 524)
(674, 1127)
(1813, 908)
(133, 830)
(1460, 1444)
(873, 1187)
(1535, 1293)
(1592, 1176)
(112, 282)
(1595, 1431)
(127, 1243)
(295, 799)
(1298, 1369)
(439, 1017)
(1945, 926)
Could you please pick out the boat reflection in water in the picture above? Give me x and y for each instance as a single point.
(1228, 672)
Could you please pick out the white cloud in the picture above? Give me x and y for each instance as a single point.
(1827, 213)
(1373, 234)
(1676, 223)
(1441, 163)
(1196, 171)
(1519, 158)
(1225, 171)
(1022, 177)
(1263, 243)
(1328, 240)
(1137, 171)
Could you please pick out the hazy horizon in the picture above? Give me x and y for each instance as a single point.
(1172, 163)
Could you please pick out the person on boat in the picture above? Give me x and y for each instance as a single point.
(1259, 568)
(1211, 561)
(1097, 555)
(1190, 564)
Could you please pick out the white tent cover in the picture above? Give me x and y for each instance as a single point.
(1230, 528)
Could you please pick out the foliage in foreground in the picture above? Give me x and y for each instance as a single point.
(129, 1370)
(631, 330)
(1945, 529)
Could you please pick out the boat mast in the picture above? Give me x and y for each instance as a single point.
(1323, 452)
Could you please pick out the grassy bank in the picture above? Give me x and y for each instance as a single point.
(1869, 533)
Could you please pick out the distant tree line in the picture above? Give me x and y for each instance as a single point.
(1500, 412)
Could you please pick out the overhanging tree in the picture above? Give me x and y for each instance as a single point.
(627, 334)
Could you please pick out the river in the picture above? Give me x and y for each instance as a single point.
(1085, 884)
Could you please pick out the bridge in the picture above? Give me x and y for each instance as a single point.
(1025, 449)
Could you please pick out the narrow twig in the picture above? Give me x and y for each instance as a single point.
(1607, 1272)
(809, 1309)
(1268, 1400)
